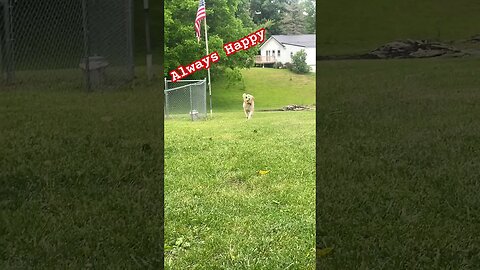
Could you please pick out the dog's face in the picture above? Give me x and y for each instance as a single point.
(247, 98)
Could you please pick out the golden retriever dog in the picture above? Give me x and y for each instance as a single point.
(248, 105)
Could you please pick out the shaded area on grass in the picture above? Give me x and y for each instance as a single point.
(355, 27)
(398, 164)
(80, 184)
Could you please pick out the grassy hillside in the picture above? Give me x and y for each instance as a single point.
(349, 26)
(398, 164)
(272, 88)
(220, 213)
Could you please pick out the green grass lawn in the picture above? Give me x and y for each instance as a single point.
(349, 26)
(219, 212)
(399, 164)
(80, 178)
(80, 184)
(272, 88)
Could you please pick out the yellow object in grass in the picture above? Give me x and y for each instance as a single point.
(263, 172)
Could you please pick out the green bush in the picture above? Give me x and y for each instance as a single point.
(233, 75)
(299, 62)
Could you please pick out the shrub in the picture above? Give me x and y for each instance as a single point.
(299, 62)
(277, 65)
(233, 75)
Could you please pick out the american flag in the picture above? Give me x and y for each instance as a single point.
(201, 14)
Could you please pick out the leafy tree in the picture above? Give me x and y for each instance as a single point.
(227, 20)
(285, 16)
(263, 11)
(299, 62)
(293, 21)
(309, 8)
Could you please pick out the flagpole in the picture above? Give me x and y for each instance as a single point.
(208, 70)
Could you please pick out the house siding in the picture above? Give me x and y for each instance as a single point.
(286, 51)
(272, 45)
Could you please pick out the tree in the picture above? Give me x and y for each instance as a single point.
(293, 21)
(262, 11)
(228, 20)
(308, 7)
(299, 62)
(285, 16)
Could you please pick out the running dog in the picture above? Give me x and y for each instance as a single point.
(248, 105)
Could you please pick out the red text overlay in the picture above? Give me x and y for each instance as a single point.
(245, 43)
(204, 63)
(230, 48)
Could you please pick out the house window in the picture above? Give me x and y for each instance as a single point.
(268, 53)
(273, 53)
(278, 53)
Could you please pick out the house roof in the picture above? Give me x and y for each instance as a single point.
(307, 41)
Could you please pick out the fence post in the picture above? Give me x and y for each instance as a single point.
(165, 108)
(9, 50)
(166, 105)
(210, 95)
(2, 45)
(191, 102)
(2, 69)
(147, 39)
(86, 44)
(129, 14)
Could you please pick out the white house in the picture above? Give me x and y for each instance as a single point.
(280, 48)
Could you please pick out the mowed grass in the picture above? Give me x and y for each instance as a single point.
(219, 212)
(398, 155)
(80, 178)
(350, 26)
(272, 89)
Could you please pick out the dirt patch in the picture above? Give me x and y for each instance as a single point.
(292, 107)
(413, 49)
(408, 48)
(475, 39)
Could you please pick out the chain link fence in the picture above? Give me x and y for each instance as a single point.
(66, 43)
(186, 99)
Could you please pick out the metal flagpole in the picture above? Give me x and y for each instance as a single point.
(208, 70)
